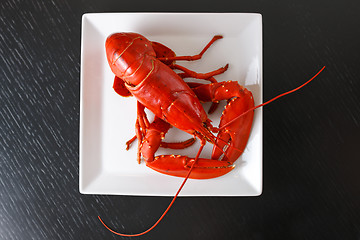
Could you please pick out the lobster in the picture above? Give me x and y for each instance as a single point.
(145, 69)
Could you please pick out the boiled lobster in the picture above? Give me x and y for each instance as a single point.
(145, 70)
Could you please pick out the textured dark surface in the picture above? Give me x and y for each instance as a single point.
(311, 139)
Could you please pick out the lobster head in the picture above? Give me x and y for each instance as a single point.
(125, 51)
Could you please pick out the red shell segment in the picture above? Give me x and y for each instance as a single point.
(125, 52)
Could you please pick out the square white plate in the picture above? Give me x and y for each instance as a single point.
(107, 120)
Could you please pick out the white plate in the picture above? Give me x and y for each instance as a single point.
(107, 120)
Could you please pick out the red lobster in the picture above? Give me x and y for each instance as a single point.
(145, 70)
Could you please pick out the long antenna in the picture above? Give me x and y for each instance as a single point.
(273, 99)
(196, 158)
(167, 209)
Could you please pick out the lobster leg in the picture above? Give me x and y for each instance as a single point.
(168, 56)
(178, 145)
(207, 76)
(187, 73)
(194, 57)
(142, 118)
(141, 124)
(140, 128)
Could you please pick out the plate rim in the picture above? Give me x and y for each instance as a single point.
(82, 190)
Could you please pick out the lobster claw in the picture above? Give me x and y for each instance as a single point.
(179, 166)
(234, 129)
(153, 139)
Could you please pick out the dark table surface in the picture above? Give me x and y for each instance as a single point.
(311, 183)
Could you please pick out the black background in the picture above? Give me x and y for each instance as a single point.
(311, 138)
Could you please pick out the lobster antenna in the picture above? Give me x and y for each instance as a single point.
(273, 99)
(167, 209)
